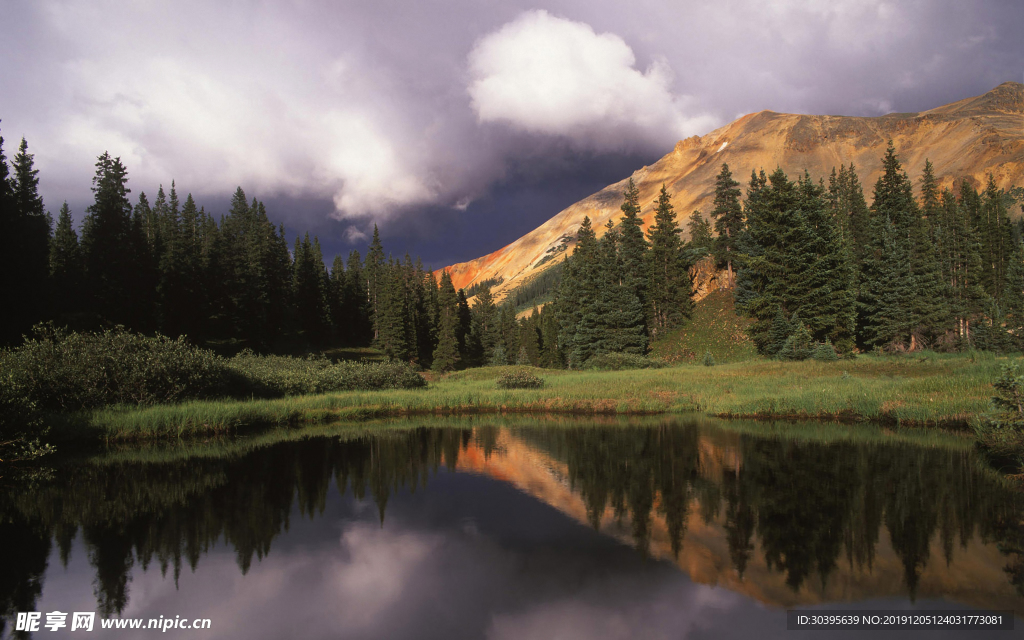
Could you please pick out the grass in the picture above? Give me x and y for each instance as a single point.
(715, 327)
(934, 390)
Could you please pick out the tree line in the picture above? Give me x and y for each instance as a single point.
(817, 264)
(168, 266)
(811, 264)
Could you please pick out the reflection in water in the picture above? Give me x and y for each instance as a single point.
(797, 521)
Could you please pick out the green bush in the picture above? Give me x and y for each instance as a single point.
(798, 346)
(825, 352)
(621, 361)
(65, 371)
(709, 360)
(21, 426)
(519, 379)
(1001, 431)
(274, 376)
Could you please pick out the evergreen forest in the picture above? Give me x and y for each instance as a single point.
(816, 268)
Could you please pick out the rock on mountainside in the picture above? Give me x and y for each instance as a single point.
(964, 140)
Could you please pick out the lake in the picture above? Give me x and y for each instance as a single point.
(516, 527)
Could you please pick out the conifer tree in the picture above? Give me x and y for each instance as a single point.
(632, 244)
(29, 253)
(508, 329)
(372, 270)
(701, 240)
(728, 216)
(889, 289)
(484, 325)
(780, 330)
(392, 313)
(577, 289)
(310, 291)
(613, 321)
(669, 287)
(530, 338)
(9, 325)
(65, 267)
(106, 232)
(551, 352)
(446, 355)
(355, 303)
(465, 326)
(340, 319)
(825, 298)
(427, 329)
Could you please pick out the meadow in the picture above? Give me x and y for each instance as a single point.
(923, 389)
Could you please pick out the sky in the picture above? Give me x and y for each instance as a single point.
(454, 126)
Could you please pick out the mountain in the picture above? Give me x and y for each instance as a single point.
(964, 140)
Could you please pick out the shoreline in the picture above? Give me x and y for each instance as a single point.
(939, 392)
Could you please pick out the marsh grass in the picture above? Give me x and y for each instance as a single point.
(933, 390)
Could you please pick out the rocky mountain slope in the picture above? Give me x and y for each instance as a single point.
(964, 140)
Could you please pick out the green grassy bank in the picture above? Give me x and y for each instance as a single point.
(916, 390)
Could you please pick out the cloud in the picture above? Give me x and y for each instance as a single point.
(298, 119)
(548, 75)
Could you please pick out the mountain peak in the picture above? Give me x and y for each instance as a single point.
(965, 140)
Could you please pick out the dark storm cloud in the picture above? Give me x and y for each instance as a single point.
(420, 115)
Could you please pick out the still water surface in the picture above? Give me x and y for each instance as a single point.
(517, 528)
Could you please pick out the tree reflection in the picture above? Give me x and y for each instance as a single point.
(806, 505)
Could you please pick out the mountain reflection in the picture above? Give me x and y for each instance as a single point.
(814, 515)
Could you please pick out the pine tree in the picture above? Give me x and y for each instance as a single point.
(372, 270)
(551, 352)
(392, 313)
(65, 267)
(888, 290)
(484, 326)
(310, 291)
(728, 216)
(106, 232)
(446, 355)
(930, 309)
(530, 338)
(9, 227)
(613, 321)
(29, 270)
(633, 245)
(508, 329)
(341, 321)
(355, 303)
(426, 315)
(465, 327)
(1013, 298)
(701, 242)
(826, 298)
(668, 279)
(577, 289)
(780, 330)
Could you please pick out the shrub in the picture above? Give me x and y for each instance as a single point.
(709, 360)
(519, 379)
(273, 376)
(825, 352)
(499, 359)
(1001, 431)
(20, 424)
(64, 371)
(798, 346)
(620, 361)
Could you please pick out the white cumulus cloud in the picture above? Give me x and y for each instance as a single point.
(549, 75)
